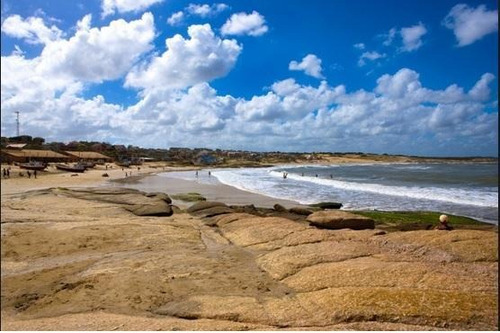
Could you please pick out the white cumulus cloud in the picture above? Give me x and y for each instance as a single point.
(110, 7)
(372, 56)
(96, 54)
(471, 24)
(359, 46)
(205, 10)
(245, 24)
(46, 88)
(310, 64)
(176, 18)
(32, 29)
(201, 58)
(412, 37)
(481, 90)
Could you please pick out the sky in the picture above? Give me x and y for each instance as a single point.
(380, 76)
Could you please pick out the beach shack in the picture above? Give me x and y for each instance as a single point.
(90, 156)
(28, 155)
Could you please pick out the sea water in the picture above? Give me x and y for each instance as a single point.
(467, 189)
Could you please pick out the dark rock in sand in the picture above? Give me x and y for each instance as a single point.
(204, 205)
(340, 220)
(159, 208)
(300, 211)
(280, 208)
(176, 209)
(189, 197)
(327, 205)
(137, 202)
(249, 209)
(213, 211)
(159, 195)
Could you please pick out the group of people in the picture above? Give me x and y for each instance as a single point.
(285, 175)
(196, 173)
(29, 173)
(6, 172)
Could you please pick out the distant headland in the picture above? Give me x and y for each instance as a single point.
(184, 156)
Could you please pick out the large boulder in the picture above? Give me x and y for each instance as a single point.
(300, 211)
(280, 208)
(204, 205)
(189, 197)
(158, 208)
(213, 211)
(135, 201)
(329, 219)
(159, 195)
(207, 209)
(327, 205)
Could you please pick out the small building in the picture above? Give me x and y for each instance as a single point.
(205, 158)
(146, 159)
(26, 155)
(88, 156)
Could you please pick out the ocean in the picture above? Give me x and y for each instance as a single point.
(466, 189)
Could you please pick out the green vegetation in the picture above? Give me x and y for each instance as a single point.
(405, 221)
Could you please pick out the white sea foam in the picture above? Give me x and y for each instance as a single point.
(357, 192)
(455, 195)
(268, 181)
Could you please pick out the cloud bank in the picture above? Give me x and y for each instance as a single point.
(177, 106)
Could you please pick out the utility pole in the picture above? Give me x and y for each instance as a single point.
(17, 122)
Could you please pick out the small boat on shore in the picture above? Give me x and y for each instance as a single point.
(125, 164)
(71, 168)
(33, 165)
(87, 164)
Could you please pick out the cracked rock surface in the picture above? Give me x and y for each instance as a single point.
(74, 260)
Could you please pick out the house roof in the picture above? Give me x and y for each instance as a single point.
(91, 155)
(34, 153)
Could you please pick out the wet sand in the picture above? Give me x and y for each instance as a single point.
(212, 192)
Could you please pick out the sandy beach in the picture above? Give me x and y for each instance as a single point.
(75, 257)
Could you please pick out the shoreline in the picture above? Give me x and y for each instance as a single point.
(212, 192)
(232, 195)
(138, 175)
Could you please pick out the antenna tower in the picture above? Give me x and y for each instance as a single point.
(17, 122)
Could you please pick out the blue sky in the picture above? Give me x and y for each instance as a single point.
(399, 77)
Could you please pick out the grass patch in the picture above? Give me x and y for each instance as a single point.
(405, 221)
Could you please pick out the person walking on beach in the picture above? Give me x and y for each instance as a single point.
(29, 174)
(34, 173)
(4, 173)
(196, 173)
(209, 174)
